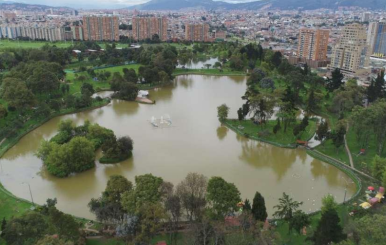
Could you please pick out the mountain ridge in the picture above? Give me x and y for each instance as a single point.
(273, 4)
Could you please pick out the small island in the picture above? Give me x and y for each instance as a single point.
(73, 149)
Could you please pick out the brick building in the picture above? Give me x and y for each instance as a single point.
(313, 44)
(100, 28)
(198, 33)
(146, 27)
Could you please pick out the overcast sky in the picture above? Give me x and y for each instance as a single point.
(99, 3)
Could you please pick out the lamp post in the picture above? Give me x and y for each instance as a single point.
(30, 192)
(345, 190)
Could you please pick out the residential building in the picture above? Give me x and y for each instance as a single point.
(198, 33)
(77, 33)
(101, 28)
(376, 39)
(313, 44)
(366, 17)
(350, 53)
(146, 27)
(34, 33)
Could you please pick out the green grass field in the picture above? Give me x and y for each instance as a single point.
(4, 44)
(281, 137)
(9, 206)
(75, 85)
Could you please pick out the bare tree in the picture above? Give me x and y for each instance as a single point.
(192, 191)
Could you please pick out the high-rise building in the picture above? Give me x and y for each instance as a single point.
(366, 17)
(313, 44)
(146, 27)
(376, 38)
(77, 33)
(351, 51)
(197, 33)
(99, 28)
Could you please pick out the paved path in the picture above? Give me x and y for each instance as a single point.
(348, 149)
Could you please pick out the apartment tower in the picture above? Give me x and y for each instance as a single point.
(101, 28)
(313, 44)
(197, 33)
(146, 27)
(350, 54)
(376, 39)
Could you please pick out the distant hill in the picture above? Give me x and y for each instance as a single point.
(273, 4)
(196, 4)
(8, 5)
(329, 4)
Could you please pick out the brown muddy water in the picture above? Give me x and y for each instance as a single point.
(194, 142)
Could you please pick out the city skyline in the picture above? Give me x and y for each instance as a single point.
(102, 4)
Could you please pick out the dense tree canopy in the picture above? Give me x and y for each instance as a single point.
(222, 196)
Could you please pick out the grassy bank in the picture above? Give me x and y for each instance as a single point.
(265, 132)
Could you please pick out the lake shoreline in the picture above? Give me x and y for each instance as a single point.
(332, 161)
(100, 106)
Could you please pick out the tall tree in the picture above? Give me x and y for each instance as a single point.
(16, 93)
(380, 85)
(338, 135)
(147, 190)
(286, 207)
(222, 112)
(247, 205)
(222, 196)
(259, 210)
(336, 81)
(328, 229)
(298, 221)
(192, 192)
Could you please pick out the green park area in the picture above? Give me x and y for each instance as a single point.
(5, 44)
(35, 89)
(265, 132)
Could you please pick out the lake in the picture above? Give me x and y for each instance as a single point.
(194, 142)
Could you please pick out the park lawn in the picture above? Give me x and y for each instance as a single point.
(75, 86)
(4, 44)
(281, 137)
(10, 206)
(362, 162)
(328, 148)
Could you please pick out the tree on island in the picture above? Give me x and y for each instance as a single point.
(61, 160)
(222, 112)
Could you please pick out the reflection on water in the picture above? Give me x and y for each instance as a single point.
(199, 63)
(222, 132)
(196, 142)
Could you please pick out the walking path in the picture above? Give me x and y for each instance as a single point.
(343, 164)
(348, 149)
